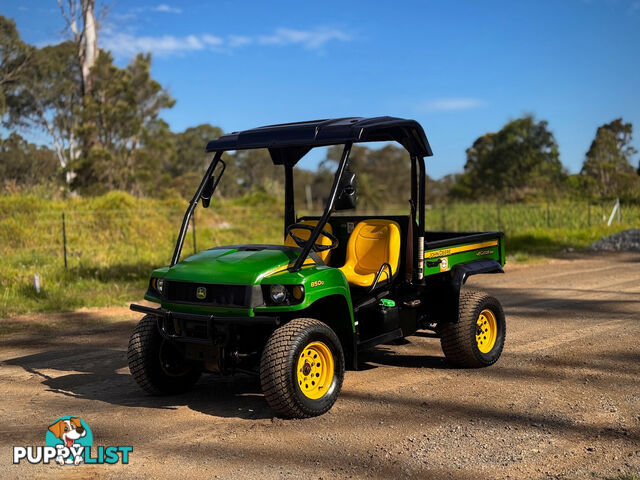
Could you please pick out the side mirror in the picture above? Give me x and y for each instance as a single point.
(207, 192)
(348, 193)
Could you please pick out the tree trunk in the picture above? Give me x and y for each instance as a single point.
(86, 40)
(90, 44)
(88, 53)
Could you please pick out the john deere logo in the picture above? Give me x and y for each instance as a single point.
(201, 293)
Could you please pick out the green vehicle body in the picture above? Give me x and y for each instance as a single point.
(253, 268)
(268, 267)
(424, 294)
(325, 287)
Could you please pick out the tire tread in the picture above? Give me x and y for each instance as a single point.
(139, 355)
(274, 370)
(142, 359)
(457, 344)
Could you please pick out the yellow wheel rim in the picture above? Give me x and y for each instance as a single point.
(486, 331)
(315, 370)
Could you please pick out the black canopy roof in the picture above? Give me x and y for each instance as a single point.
(288, 142)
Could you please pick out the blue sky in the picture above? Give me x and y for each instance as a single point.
(461, 68)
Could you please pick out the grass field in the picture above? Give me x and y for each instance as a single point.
(115, 240)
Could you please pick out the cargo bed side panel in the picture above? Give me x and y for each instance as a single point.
(444, 258)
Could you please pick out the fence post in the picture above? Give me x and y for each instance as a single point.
(193, 222)
(498, 215)
(616, 206)
(444, 219)
(64, 240)
(588, 213)
(548, 216)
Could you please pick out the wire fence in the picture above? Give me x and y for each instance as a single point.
(522, 216)
(83, 237)
(516, 217)
(76, 237)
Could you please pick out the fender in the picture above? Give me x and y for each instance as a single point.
(461, 272)
(335, 310)
(443, 292)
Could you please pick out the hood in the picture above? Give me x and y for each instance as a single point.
(237, 264)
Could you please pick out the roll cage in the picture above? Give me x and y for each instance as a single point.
(288, 143)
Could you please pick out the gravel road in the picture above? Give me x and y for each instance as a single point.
(562, 402)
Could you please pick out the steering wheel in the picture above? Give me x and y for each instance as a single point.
(301, 242)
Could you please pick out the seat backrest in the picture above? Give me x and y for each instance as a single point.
(372, 243)
(322, 240)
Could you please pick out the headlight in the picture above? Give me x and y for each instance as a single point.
(278, 293)
(281, 295)
(159, 285)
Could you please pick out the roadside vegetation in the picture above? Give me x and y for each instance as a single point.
(113, 241)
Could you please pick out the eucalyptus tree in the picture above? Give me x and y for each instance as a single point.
(608, 162)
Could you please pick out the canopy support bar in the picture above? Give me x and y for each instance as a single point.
(327, 210)
(289, 201)
(192, 205)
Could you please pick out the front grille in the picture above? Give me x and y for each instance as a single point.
(216, 294)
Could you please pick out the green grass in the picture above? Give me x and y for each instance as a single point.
(114, 241)
(517, 217)
(552, 241)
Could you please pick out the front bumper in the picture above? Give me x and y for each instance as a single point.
(197, 328)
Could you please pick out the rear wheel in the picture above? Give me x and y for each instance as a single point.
(302, 368)
(158, 365)
(477, 339)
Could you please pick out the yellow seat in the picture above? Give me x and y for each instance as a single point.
(372, 243)
(322, 240)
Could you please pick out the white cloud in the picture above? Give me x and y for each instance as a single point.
(239, 41)
(450, 104)
(308, 38)
(126, 44)
(163, 7)
(212, 39)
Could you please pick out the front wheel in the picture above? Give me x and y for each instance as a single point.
(158, 365)
(302, 368)
(477, 339)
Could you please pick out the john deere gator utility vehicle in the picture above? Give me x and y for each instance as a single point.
(298, 313)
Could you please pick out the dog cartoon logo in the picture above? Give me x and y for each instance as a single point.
(70, 436)
(70, 442)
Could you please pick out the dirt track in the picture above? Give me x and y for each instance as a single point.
(563, 401)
